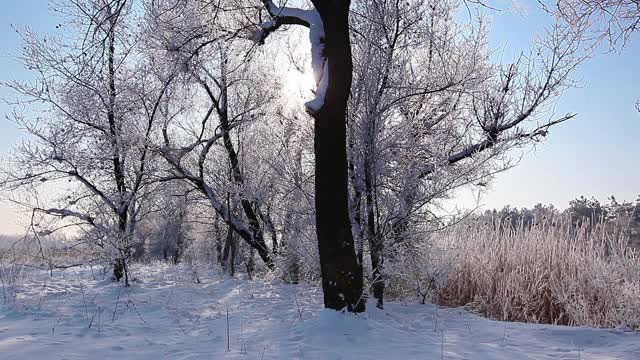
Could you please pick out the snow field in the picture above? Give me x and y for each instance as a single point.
(166, 314)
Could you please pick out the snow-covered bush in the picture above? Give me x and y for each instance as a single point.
(552, 272)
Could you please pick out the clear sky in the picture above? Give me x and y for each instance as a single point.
(16, 12)
(596, 154)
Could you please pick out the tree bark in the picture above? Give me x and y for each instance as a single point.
(271, 228)
(342, 278)
(356, 204)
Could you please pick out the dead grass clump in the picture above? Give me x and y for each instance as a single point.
(550, 273)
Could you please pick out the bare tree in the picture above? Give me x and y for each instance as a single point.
(430, 113)
(215, 71)
(94, 111)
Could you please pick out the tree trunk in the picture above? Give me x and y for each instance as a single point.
(119, 265)
(289, 248)
(228, 254)
(342, 281)
(121, 207)
(356, 204)
(375, 242)
(256, 239)
(177, 255)
(250, 264)
(232, 256)
(357, 219)
(269, 225)
(218, 239)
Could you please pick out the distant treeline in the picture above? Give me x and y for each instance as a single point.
(581, 212)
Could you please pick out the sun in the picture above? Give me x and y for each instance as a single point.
(298, 86)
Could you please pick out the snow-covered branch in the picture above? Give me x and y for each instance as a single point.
(311, 19)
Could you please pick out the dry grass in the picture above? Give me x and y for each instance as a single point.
(550, 273)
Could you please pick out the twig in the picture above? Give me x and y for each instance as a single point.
(113, 318)
(228, 341)
(442, 344)
(94, 316)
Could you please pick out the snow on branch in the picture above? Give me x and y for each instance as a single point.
(63, 213)
(312, 20)
(314, 105)
(282, 16)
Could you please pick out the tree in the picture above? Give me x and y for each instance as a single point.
(98, 108)
(418, 73)
(430, 113)
(410, 69)
(195, 46)
(166, 230)
(328, 23)
(587, 212)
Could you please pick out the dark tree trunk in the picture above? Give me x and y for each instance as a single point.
(227, 253)
(360, 240)
(232, 256)
(375, 242)
(293, 268)
(177, 255)
(218, 239)
(219, 251)
(400, 227)
(292, 260)
(250, 264)
(356, 205)
(118, 269)
(121, 207)
(119, 266)
(342, 281)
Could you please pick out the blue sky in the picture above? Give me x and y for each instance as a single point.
(596, 154)
(16, 12)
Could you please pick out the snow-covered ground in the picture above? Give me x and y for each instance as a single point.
(167, 315)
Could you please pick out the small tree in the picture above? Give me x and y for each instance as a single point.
(214, 74)
(94, 108)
